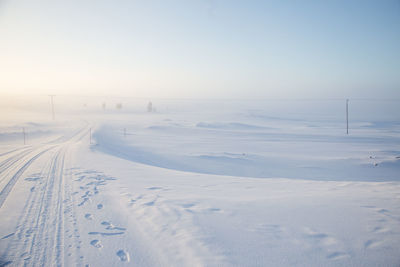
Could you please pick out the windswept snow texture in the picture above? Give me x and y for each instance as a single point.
(265, 148)
(200, 187)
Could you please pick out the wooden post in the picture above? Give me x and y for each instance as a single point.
(90, 136)
(124, 132)
(23, 132)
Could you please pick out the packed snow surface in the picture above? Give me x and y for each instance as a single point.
(190, 186)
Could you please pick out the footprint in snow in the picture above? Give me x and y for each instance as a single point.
(133, 201)
(110, 226)
(214, 209)
(86, 199)
(154, 188)
(89, 216)
(188, 205)
(150, 203)
(7, 236)
(337, 256)
(383, 211)
(87, 194)
(320, 238)
(123, 255)
(96, 243)
(105, 234)
(99, 206)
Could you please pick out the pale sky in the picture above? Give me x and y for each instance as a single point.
(201, 48)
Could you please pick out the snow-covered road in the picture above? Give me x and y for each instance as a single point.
(36, 205)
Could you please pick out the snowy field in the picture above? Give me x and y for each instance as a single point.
(201, 183)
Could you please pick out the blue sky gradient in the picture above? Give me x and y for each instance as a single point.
(240, 49)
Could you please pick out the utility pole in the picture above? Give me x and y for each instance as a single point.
(347, 116)
(124, 132)
(52, 106)
(90, 136)
(23, 132)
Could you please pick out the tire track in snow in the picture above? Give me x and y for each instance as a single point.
(20, 246)
(8, 187)
(59, 233)
(11, 151)
(46, 246)
(10, 161)
(40, 213)
(70, 137)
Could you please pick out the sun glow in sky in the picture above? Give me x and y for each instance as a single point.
(201, 48)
